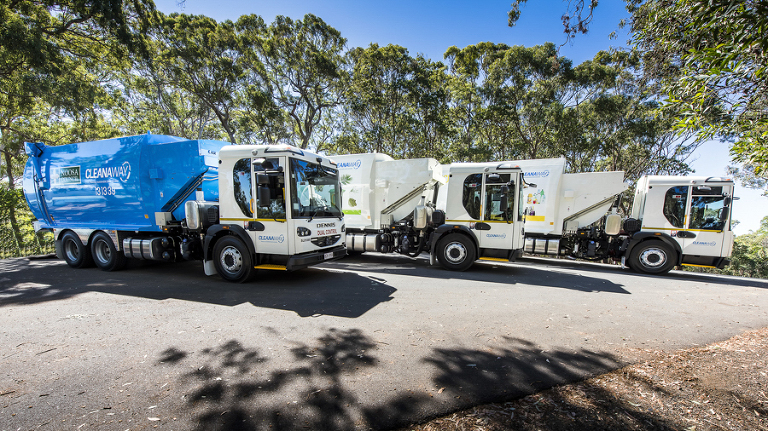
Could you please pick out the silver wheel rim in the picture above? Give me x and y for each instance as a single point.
(653, 257)
(455, 252)
(231, 259)
(101, 252)
(71, 250)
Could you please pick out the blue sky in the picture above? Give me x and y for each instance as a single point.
(429, 27)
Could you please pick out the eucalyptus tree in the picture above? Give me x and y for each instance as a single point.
(56, 57)
(468, 69)
(304, 62)
(202, 57)
(377, 99)
(396, 104)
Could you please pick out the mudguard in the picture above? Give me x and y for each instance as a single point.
(216, 231)
(639, 237)
(448, 228)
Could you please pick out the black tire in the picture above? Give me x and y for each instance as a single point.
(233, 260)
(104, 253)
(455, 252)
(75, 253)
(652, 257)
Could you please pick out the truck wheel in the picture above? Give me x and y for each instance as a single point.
(652, 257)
(75, 253)
(233, 260)
(104, 253)
(455, 252)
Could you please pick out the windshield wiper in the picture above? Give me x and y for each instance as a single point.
(313, 215)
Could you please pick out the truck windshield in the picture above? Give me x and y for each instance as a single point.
(315, 190)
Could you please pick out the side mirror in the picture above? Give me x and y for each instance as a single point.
(504, 198)
(264, 196)
(726, 209)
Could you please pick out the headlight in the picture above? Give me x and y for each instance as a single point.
(302, 231)
(343, 228)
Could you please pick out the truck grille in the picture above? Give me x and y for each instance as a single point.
(325, 241)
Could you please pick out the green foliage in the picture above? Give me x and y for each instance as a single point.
(395, 104)
(304, 61)
(709, 59)
(19, 240)
(749, 257)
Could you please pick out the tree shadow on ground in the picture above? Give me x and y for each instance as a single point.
(485, 272)
(309, 292)
(322, 386)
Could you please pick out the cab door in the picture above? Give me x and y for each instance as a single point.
(269, 183)
(708, 222)
(498, 212)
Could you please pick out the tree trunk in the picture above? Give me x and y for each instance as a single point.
(12, 204)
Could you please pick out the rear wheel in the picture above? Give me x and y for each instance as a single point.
(233, 260)
(652, 257)
(105, 254)
(455, 252)
(75, 253)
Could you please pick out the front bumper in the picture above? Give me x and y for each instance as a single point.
(308, 259)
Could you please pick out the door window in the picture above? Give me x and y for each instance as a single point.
(706, 212)
(674, 205)
(493, 198)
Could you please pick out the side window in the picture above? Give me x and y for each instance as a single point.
(276, 208)
(243, 186)
(674, 205)
(473, 187)
(706, 212)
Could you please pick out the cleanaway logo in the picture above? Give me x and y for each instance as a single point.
(121, 172)
(537, 174)
(272, 238)
(707, 243)
(496, 235)
(350, 165)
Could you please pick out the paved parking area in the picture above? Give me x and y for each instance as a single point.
(367, 342)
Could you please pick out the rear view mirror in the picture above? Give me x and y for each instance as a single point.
(264, 196)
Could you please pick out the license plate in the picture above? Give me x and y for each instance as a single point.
(328, 255)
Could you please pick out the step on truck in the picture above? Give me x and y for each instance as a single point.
(463, 212)
(236, 208)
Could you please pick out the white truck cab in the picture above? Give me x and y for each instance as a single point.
(691, 214)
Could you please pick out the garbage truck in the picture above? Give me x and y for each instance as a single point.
(463, 212)
(236, 208)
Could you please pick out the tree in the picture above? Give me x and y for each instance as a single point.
(710, 59)
(55, 60)
(304, 62)
(202, 57)
(706, 61)
(395, 104)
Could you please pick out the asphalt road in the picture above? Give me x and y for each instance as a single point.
(367, 342)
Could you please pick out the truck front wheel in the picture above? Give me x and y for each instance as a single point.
(75, 253)
(455, 252)
(105, 254)
(652, 257)
(233, 260)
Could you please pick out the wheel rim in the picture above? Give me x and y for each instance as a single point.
(455, 252)
(231, 260)
(71, 250)
(101, 252)
(653, 257)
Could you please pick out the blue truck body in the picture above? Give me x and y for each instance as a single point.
(118, 183)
